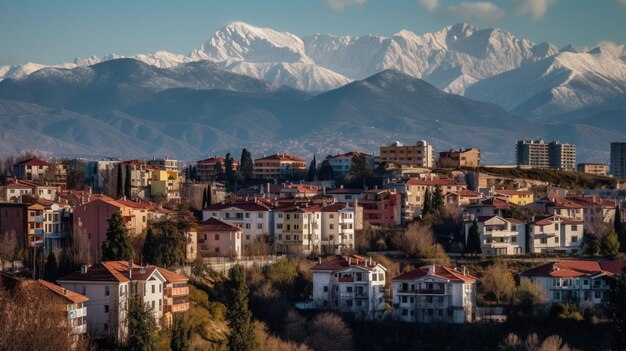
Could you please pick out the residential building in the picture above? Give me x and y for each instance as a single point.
(165, 184)
(459, 158)
(347, 196)
(98, 173)
(618, 159)
(418, 155)
(434, 294)
(205, 169)
(500, 236)
(298, 229)
(555, 234)
(601, 169)
(164, 163)
(350, 284)
(38, 169)
(339, 222)
(57, 222)
(488, 207)
(176, 297)
(595, 208)
(278, 166)
(140, 177)
(381, 208)
(253, 217)
(416, 191)
(462, 197)
(14, 189)
(538, 154)
(516, 197)
(342, 163)
(562, 156)
(91, 220)
(585, 284)
(219, 239)
(26, 220)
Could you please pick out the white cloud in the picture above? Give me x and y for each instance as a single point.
(621, 2)
(431, 5)
(536, 8)
(340, 5)
(480, 10)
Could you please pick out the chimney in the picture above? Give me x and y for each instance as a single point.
(431, 269)
(83, 269)
(464, 270)
(130, 269)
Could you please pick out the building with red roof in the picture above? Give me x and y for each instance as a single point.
(278, 166)
(555, 234)
(381, 207)
(205, 169)
(582, 283)
(416, 191)
(434, 294)
(350, 284)
(217, 238)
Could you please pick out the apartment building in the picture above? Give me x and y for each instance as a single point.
(418, 155)
(600, 169)
(416, 191)
(38, 169)
(253, 217)
(462, 197)
(381, 208)
(57, 222)
(140, 177)
(555, 234)
(459, 158)
(538, 154)
(346, 196)
(434, 294)
(488, 207)
(595, 208)
(562, 156)
(298, 229)
(14, 189)
(278, 166)
(516, 197)
(339, 222)
(500, 236)
(350, 284)
(26, 220)
(585, 284)
(164, 163)
(618, 159)
(165, 184)
(219, 239)
(176, 297)
(342, 163)
(98, 172)
(205, 169)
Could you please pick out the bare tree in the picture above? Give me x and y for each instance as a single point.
(328, 331)
(498, 280)
(80, 250)
(8, 248)
(418, 240)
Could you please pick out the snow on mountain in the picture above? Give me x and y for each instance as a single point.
(558, 84)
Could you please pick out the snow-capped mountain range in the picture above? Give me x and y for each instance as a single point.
(489, 65)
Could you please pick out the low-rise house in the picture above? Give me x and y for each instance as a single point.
(38, 169)
(585, 284)
(416, 189)
(434, 294)
(350, 284)
(555, 234)
(596, 209)
(342, 163)
(601, 169)
(516, 197)
(462, 197)
(217, 238)
(500, 236)
(205, 169)
(459, 158)
(347, 196)
(489, 207)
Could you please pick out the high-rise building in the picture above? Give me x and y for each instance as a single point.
(618, 159)
(538, 154)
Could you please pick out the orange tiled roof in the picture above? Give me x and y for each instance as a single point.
(281, 157)
(69, 295)
(576, 268)
(439, 271)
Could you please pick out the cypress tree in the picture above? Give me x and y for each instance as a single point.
(610, 244)
(117, 244)
(617, 309)
(312, 170)
(204, 198)
(325, 171)
(473, 239)
(437, 200)
(229, 172)
(120, 181)
(128, 184)
(219, 171)
(242, 336)
(427, 207)
(150, 248)
(619, 229)
(142, 328)
(209, 196)
(181, 335)
(246, 166)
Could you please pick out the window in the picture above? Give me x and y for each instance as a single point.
(514, 239)
(280, 215)
(227, 215)
(106, 326)
(349, 303)
(217, 237)
(331, 226)
(153, 289)
(348, 289)
(332, 215)
(404, 299)
(543, 240)
(556, 226)
(405, 312)
(247, 214)
(574, 228)
(106, 308)
(247, 225)
(259, 226)
(325, 288)
(106, 290)
(153, 305)
(574, 238)
(279, 226)
(260, 215)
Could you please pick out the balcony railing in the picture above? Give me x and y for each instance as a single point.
(441, 291)
(179, 307)
(177, 291)
(80, 329)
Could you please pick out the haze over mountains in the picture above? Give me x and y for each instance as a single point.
(256, 87)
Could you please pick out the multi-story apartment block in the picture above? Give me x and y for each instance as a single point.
(418, 155)
(176, 297)
(488, 207)
(538, 154)
(37, 169)
(339, 222)
(253, 217)
(56, 222)
(26, 220)
(341, 163)
(562, 156)
(516, 197)
(140, 177)
(500, 236)
(601, 169)
(278, 166)
(347, 196)
(595, 208)
(585, 284)
(416, 191)
(381, 208)
(219, 239)
(205, 169)
(164, 163)
(434, 294)
(459, 158)
(298, 229)
(350, 284)
(98, 172)
(618, 159)
(555, 234)
(165, 184)
(15, 189)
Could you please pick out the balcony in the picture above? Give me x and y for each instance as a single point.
(77, 313)
(177, 308)
(80, 329)
(38, 219)
(170, 292)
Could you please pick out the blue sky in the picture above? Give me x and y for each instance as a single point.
(57, 31)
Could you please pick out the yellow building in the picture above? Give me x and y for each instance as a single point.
(517, 197)
(165, 184)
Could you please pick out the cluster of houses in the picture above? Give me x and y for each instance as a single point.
(437, 294)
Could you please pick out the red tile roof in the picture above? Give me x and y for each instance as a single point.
(33, 162)
(339, 262)
(245, 206)
(64, 293)
(214, 224)
(344, 191)
(431, 182)
(576, 268)
(350, 154)
(172, 277)
(99, 272)
(440, 272)
(281, 157)
(466, 193)
(556, 218)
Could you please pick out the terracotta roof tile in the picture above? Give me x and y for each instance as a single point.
(440, 271)
(214, 224)
(64, 293)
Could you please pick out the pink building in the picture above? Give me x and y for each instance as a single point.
(381, 207)
(219, 239)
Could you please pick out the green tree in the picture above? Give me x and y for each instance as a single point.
(325, 171)
(181, 335)
(51, 268)
(360, 169)
(312, 172)
(610, 244)
(241, 337)
(204, 198)
(117, 244)
(229, 172)
(473, 239)
(617, 309)
(437, 200)
(120, 181)
(209, 196)
(619, 229)
(142, 328)
(427, 207)
(246, 165)
(150, 251)
(127, 183)
(219, 171)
